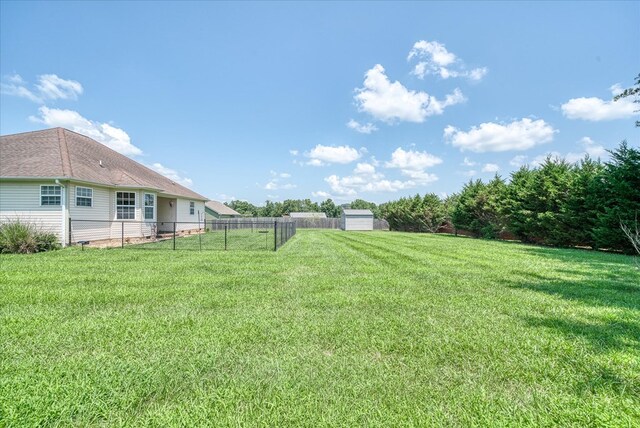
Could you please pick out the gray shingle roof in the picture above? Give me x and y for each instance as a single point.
(357, 212)
(307, 215)
(221, 208)
(60, 153)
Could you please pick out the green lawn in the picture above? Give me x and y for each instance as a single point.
(334, 329)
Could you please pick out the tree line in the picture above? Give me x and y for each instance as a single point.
(555, 203)
(278, 209)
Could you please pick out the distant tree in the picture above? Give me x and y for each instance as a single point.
(478, 208)
(633, 91)
(619, 198)
(330, 209)
(361, 204)
(245, 208)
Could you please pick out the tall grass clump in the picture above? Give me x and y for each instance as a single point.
(25, 238)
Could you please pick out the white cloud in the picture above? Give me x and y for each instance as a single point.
(438, 54)
(321, 194)
(49, 87)
(16, 86)
(321, 155)
(367, 128)
(496, 137)
(112, 137)
(596, 109)
(365, 178)
(293, 152)
(470, 173)
(364, 169)
(593, 149)
(518, 161)
(171, 174)
(435, 59)
(391, 102)
(490, 167)
(412, 164)
(468, 162)
(54, 87)
(275, 183)
(413, 160)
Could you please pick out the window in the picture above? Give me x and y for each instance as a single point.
(50, 195)
(84, 197)
(149, 206)
(192, 208)
(125, 205)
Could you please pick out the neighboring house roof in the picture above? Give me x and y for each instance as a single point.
(220, 208)
(63, 154)
(357, 212)
(308, 215)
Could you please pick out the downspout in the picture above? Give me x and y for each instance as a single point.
(63, 203)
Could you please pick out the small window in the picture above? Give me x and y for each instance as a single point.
(84, 197)
(125, 205)
(192, 208)
(50, 195)
(149, 206)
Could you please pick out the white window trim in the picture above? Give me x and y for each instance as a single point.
(86, 197)
(135, 204)
(194, 207)
(50, 185)
(144, 206)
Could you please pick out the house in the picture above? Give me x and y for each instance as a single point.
(356, 220)
(69, 184)
(216, 210)
(308, 215)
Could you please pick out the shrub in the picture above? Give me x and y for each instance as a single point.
(25, 238)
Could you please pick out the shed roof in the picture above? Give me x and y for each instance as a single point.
(221, 208)
(357, 212)
(63, 154)
(308, 215)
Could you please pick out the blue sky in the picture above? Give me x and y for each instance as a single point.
(376, 100)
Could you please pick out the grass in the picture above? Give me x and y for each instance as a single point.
(333, 329)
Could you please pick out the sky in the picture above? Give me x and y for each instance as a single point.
(341, 100)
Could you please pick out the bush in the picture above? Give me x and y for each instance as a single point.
(25, 238)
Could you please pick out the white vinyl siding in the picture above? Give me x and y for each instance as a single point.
(91, 224)
(186, 220)
(357, 222)
(84, 196)
(21, 200)
(50, 195)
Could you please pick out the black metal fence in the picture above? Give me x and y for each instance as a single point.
(248, 234)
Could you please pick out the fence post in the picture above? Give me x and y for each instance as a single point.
(174, 235)
(275, 235)
(122, 233)
(225, 236)
(69, 231)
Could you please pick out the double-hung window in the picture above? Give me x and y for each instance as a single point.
(125, 205)
(84, 196)
(192, 208)
(50, 195)
(149, 206)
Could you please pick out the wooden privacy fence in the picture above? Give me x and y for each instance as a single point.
(301, 223)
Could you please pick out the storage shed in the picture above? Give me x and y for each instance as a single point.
(356, 220)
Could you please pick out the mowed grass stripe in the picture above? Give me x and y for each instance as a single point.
(334, 329)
